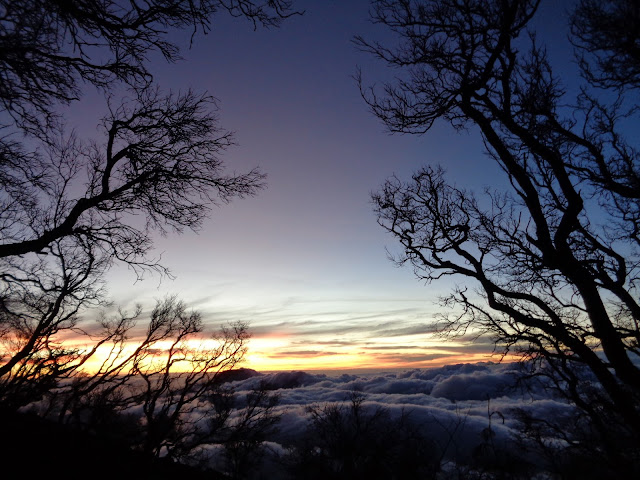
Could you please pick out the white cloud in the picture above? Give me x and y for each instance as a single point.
(452, 403)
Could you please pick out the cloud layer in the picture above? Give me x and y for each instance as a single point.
(455, 404)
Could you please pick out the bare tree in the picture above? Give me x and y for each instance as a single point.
(177, 379)
(168, 376)
(555, 260)
(70, 208)
(607, 37)
(244, 433)
(354, 440)
(41, 300)
(67, 206)
(160, 158)
(49, 47)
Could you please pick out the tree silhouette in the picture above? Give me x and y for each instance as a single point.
(555, 258)
(354, 440)
(67, 206)
(164, 394)
(50, 47)
(174, 383)
(243, 433)
(606, 35)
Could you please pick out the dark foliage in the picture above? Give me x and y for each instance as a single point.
(354, 441)
(75, 453)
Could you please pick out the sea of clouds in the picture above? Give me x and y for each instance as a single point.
(453, 404)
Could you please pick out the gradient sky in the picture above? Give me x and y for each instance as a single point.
(304, 262)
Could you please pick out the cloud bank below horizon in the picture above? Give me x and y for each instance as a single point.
(454, 404)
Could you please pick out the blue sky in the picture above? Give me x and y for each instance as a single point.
(304, 262)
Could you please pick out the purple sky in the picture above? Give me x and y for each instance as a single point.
(304, 262)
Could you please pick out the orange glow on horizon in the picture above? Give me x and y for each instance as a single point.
(371, 363)
(280, 353)
(275, 354)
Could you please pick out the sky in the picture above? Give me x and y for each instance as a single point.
(304, 262)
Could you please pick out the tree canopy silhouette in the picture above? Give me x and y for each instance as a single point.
(555, 259)
(606, 35)
(70, 208)
(50, 47)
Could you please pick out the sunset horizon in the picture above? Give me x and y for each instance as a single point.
(320, 240)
